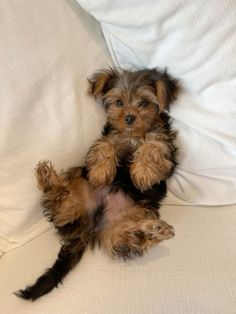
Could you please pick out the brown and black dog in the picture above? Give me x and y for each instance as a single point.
(113, 200)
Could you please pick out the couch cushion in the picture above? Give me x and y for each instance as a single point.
(192, 273)
(196, 40)
(48, 48)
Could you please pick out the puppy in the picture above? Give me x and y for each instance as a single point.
(113, 200)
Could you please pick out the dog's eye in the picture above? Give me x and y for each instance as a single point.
(119, 103)
(143, 103)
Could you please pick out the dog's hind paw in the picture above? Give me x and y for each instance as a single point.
(46, 176)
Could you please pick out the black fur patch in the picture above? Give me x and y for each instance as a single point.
(107, 128)
(126, 252)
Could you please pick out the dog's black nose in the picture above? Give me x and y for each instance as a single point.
(129, 119)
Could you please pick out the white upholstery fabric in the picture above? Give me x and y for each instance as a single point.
(196, 40)
(193, 273)
(48, 49)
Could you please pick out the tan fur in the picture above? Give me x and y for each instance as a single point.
(99, 80)
(161, 94)
(67, 198)
(102, 161)
(135, 232)
(151, 161)
(151, 164)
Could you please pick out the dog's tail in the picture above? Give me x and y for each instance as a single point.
(68, 257)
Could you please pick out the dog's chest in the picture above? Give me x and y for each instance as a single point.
(127, 152)
(127, 146)
(134, 143)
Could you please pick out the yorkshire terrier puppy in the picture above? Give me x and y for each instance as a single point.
(113, 200)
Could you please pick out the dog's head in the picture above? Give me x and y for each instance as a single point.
(133, 100)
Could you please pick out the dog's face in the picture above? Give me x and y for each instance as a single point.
(133, 100)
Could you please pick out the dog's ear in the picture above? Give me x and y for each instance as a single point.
(101, 81)
(166, 89)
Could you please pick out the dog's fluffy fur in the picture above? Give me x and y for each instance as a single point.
(113, 200)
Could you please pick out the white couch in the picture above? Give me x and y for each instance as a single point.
(48, 49)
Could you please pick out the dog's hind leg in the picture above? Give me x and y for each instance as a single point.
(134, 234)
(47, 177)
(64, 197)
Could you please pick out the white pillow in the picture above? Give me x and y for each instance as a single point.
(48, 49)
(196, 40)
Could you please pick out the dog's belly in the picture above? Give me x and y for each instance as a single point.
(115, 205)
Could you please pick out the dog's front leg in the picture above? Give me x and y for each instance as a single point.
(152, 162)
(101, 162)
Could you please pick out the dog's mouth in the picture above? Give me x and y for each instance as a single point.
(130, 127)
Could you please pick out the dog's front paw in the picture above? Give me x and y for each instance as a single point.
(102, 174)
(143, 178)
(101, 162)
(149, 166)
